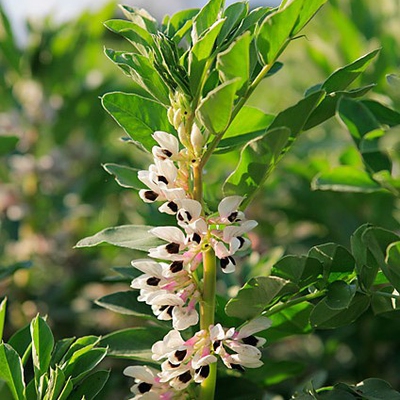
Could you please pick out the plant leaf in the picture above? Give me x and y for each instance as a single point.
(324, 317)
(215, 109)
(90, 386)
(125, 176)
(42, 346)
(345, 178)
(257, 160)
(340, 295)
(393, 264)
(135, 237)
(255, 296)
(133, 343)
(125, 303)
(138, 116)
(7, 143)
(3, 307)
(234, 62)
(11, 371)
(276, 30)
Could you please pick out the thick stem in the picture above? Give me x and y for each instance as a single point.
(197, 182)
(207, 313)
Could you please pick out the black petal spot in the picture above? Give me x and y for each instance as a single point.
(153, 281)
(172, 206)
(169, 311)
(172, 248)
(216, 344)
(241, 241)
(162, 178)
(186, 377)
(180, 354)
(176, 266)
(224, 262)
(173, 365)
(232, 216)
(166, 152)
(203, 371)
(150, 195)
(251, 340)
(144, 387)
(196, 238)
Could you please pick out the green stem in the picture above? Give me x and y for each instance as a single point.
(282, 306)
(197, 182)
(385, 294)
(207, 313)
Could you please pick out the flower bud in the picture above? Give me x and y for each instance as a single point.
(170, 115)
(197, 139)
(182, 134)
(177, 118)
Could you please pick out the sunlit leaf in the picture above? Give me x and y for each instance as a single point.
(3, 306)
(257, 160)
(276, 30)
(42, 346)
(215, 109)
(131, 236)
(393, 264)
(91, 386)
(125, 176)
(11, 371)
(207, 16)
(345, 179)
(138, 116)
(234, 62)
(340, 295)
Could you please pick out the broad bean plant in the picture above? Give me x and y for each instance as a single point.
(192, 76)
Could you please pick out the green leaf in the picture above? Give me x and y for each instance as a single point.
(294, 320)
(138, 116)
(327, 108)
(276, 31)
(337, 261)
(133, 343)
(180, 23)
(215, 109)
(21, 342)
(9, 49)
(234, 16)
(60, 350)
(249, 119)
(200, 54)
(125, 176)
(383, 114)
(91, 386)
(85, 342)
(3, 307)
(302, 271)
(360, 121)
(7, 143)
(125, 303)
(234, 62)
(207, 16)
(388, 307)
(257, 160)
(82, 362)
(135, 237)
(366, 265)
(344, 76)
(296, 116)
(308, 10)
(345, 178)
(140, 17)
(55, 385)
(11, 371)
(393, 264)
(372, 389)
(139, 37)
(324, 317)
(42, 346)
(340, 295)
(255, 296)
(377, 240)
(143, 73)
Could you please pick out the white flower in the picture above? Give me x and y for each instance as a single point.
(228, 210)
(168, 145)
(176, 239)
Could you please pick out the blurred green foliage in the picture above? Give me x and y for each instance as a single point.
(54, 136)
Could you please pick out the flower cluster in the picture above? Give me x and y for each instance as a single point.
(169, 282)
(186, 361)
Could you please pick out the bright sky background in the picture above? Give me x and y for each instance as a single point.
(19, 10)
